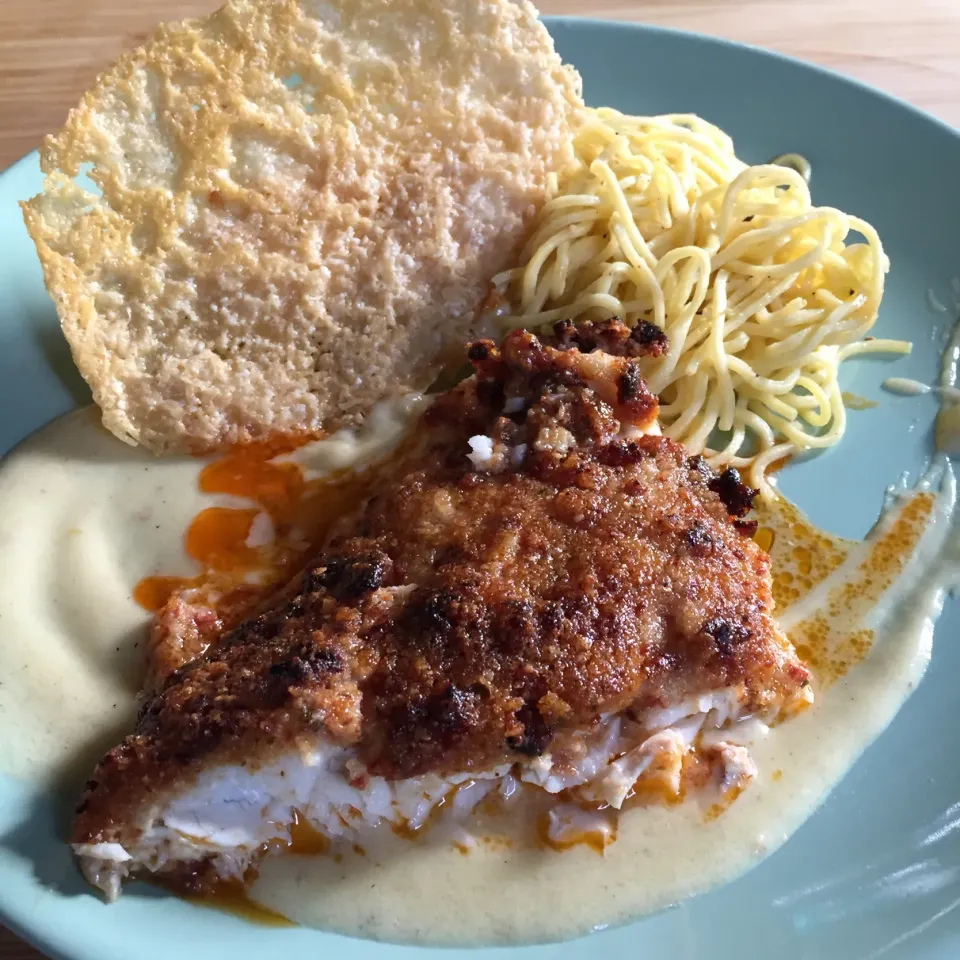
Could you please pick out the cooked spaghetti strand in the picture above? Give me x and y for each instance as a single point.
(761, 294)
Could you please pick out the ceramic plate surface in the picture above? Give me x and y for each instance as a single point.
(876, 871)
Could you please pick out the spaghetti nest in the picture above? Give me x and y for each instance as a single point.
(761, 294)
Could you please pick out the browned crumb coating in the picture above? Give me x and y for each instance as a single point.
(463, 616)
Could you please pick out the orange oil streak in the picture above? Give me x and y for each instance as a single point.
(301, 511)
(305, 840)
(217, 536)
(152, 593)
(278, 487)
(231, 897)
(596, 840)
(217, 539)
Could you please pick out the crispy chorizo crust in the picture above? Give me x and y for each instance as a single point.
(468, 615)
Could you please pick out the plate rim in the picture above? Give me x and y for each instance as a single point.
(43, 936)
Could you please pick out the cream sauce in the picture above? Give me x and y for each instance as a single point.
(85, 517)
(946, 430)
(916, 388)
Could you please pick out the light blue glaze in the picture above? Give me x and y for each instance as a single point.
(874, 873)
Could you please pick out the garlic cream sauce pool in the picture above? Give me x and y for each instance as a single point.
(85, 518)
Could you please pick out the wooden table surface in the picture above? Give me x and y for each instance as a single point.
(51, 49)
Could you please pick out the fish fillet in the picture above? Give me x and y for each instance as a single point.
(544, 591)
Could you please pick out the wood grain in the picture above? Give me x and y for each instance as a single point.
(51, 49)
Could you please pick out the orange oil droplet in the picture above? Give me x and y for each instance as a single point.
(152, 593)
(718, 809)
(404, 831)
(497, 842)
(231, 897)
(596, 840)
(306, 840)
(803, 559)
(277, 487)
(217, 539)
(763, 538)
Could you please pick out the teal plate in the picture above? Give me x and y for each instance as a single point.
(876, 871)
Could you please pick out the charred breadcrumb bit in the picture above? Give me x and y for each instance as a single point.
(612, 337)
(308, 663)
(726, 635)
(630, 383)
(295, 608)
(536, 733)
(699, 465)
(346, 577)
(735, 494)
(697, 538)
(478, 351)
(649, 336)
(432, 614)
(491, 394)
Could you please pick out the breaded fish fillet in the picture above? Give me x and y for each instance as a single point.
(546, 590)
